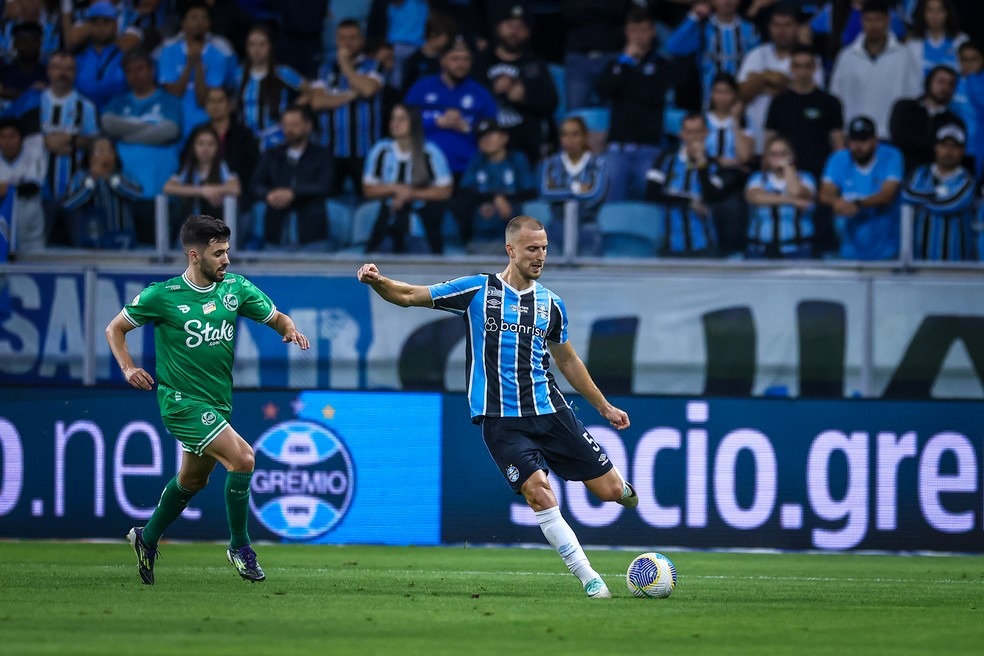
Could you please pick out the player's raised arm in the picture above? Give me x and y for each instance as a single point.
(116, 336)
(576, 373)
(284, 325)
(394, 291)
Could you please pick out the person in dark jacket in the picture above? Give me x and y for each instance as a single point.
(915, 121)
(635, 84)
(293, 180)
(521, 83)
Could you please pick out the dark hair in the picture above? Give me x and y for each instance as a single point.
(421, 174)
(303, 110)
(189, 160)
(581, 123)
(951, 26)
(61, 53)
(517, 223)
(87, 155)
(271, 87)
(202, 230)
(349, 22)
(638, 15)
(195, 4)
(879, 6)
(137, 54)
(725, 78)
(803, 49)
(440, 23)
(27, 28)
(936, 70)
(787, 10)
(694, 116)
(11, 122)
(968, 45)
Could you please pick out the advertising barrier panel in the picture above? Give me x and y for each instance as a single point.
(681, 334)
(338, 467)
(767, 473)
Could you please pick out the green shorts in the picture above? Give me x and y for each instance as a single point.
(193, 422)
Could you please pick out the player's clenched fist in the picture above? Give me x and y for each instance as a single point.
(369, 273)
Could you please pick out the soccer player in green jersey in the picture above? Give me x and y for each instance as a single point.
(194, 317)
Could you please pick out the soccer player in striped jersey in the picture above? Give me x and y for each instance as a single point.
(194, 317)
(515, 325)
(942, 196)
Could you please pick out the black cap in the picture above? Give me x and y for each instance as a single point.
(516, 11)
(952, 131)
(456, 42)
(861, 128)
(485, 126)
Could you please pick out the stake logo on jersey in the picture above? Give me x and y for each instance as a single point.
(303, 481)
(208, 334)
(507, 362)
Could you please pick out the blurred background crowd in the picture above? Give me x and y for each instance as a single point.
(632, 128)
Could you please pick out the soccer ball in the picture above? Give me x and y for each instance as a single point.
(651, 575)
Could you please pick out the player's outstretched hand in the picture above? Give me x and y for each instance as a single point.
(139, 378)
(297, 338)
(618, 418)
(369, 273)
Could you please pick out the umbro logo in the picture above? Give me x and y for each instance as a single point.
(184, 309)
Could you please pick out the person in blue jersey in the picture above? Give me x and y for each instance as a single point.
(63, 118)
(575, 182)
(265, 88)
(100, 67)
(30, 11)
(914, 121)
(685, 183)
(718, 35)
(942, 196)
(348, 93)
(780, 201)
(936, 37)
(968, 101)
(452, 103)
(101, 199)
(146, 125)
(861, 184)
(515, 326)
(497, 182)
(194, 60)
(204, 180)
(411, 176)
(78, 25)
(729, 141)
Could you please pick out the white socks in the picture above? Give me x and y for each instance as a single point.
(562, 538)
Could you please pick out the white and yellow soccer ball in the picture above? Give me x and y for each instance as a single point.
(651, 575)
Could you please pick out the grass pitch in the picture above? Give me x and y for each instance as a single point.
(69, 598)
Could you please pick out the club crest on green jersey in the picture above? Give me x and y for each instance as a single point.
(231, 302)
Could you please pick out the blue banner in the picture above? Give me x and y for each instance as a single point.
(768, 473)
(333, 467)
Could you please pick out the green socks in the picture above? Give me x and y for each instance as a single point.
(174, 499)
(237, 507)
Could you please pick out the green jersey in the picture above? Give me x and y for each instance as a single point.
(195, 330)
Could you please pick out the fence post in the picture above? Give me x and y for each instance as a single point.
(162, 227)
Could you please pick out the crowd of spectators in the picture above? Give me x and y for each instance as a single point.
(648, 128)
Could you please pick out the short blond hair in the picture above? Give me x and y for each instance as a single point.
(519, 222)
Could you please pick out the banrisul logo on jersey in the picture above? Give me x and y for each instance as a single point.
(303, 480)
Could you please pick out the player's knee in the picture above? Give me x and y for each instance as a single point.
(193, 483)
(538, 495)
(245, 460)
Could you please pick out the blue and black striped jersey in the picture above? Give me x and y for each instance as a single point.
(507, 361)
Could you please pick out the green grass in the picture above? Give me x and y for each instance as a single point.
(69, 598)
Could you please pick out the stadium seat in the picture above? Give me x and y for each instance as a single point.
(559, 75)
(538, 209)
(672, 120)
(629, 229)
(339, 222)
(362, 222)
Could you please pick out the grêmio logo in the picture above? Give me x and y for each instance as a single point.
(208, 333)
